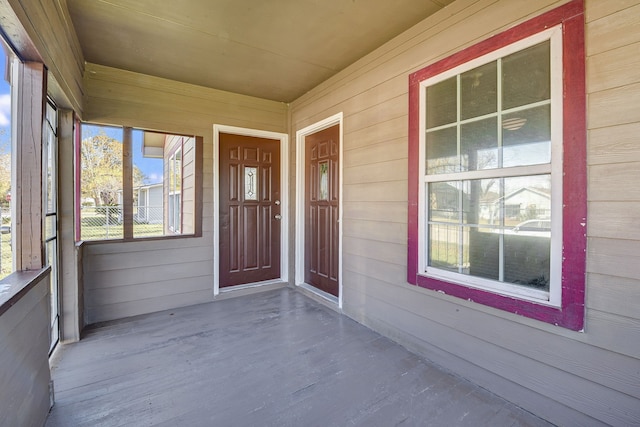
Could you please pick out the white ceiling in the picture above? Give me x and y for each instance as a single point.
(273, 49)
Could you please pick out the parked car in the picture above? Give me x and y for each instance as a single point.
(533, 227)
(5, 229)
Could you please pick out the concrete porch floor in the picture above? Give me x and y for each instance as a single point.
(274, 358)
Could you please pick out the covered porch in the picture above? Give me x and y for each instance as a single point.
(270, 358)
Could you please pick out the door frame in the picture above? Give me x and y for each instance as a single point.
(284, 202)
(336, 119)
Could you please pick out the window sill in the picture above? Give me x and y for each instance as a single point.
(138, 239)
(570, 315)
(17, 284)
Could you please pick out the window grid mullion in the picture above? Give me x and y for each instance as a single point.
(501, 252)
(459, 168)
(515, 171)
(461, 175)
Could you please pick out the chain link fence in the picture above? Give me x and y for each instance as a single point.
(105, 222)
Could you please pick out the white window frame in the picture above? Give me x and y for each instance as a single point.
(175, 214)
(555, 169)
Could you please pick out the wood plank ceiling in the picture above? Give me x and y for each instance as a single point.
(273, 49)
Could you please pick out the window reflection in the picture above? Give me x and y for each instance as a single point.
(323, 180)
(442, 151)
(526, 137)
(526, 76)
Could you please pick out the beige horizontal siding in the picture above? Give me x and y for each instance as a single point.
(172, 106)
(48, 25)
(24, 374)
(376, 211)
(615, 29)
(152, 304)
(532, 363)
(609, 294)
(142, 291)
(614, 182)
(614, 68)
(614, 144)
(125, 279)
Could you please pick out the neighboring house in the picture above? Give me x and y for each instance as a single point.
(525, 203)
(148, 204)
(179, 192)
(349, 158)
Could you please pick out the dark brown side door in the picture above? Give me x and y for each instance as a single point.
(249, 209)
(322, 196)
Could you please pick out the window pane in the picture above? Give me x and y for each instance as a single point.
(101, 182)
(164, 201)
(52, 260)
(323, 180)
(442, 103)
(484, 252)
(526, 76)
(7, 97)
(526, 137)
(6, 254)
(251, 183)
(148, 188)
(49, 226)
(479, 144)
(442, 151)
(481, 202)
(478, 91)
(49, 167)
(443, 246)
(527, 198)
(175, 185)
(444, 205)
(527, 259)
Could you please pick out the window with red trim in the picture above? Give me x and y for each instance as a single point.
(497, 185)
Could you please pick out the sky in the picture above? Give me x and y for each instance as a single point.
(151, 168)
(5, 105)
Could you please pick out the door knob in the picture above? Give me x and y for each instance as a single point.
(277, 202)
(278, 216)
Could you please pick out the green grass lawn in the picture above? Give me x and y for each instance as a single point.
(6, 258)
(89, 231)
(96, 228)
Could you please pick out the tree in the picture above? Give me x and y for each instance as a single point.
(5, 167)
(5, 178)
(101, 168)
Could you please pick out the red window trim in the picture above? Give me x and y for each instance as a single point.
(571, 313)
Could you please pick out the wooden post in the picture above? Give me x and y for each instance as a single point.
(29, 110)
(70, 287)
(198, 203)
(127, 183)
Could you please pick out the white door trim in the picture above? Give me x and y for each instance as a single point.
(300, 198)
(284, 197)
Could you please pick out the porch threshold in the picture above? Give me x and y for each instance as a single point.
(250, 288)
(319, 295)
(273, 358)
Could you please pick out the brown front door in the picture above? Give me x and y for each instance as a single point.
(249, 209)
(322, 196)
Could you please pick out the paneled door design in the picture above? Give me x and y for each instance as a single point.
(322, 196)
(249, 209)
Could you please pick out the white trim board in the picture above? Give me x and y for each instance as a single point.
(300, 199)
(284, 198)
